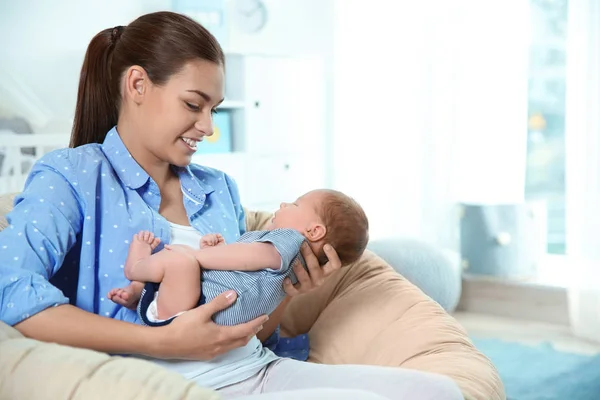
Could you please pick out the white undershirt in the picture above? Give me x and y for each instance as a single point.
(186, 235)
(229, 368)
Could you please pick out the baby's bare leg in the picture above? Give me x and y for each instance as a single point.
(178, 273)
(180, 288)
(140, 249)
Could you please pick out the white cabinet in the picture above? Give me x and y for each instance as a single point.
(279, 128)
(271, 180)
(287, 106)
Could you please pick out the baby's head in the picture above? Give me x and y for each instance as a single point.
(327, 216)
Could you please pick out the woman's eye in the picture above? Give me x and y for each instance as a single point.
(214, 111)
(192, 107)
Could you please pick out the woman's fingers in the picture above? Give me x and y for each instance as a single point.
(304, 279)
(333, 264)
(219, 303)
(290, 289)
(235, 332)
(313, 275)
(194, 335)
(312, 263)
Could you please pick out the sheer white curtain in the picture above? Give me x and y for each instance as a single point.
(583, 129)
(583, 166)
(379, 91)
(430, 109)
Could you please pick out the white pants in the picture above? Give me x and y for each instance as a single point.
(302, 380)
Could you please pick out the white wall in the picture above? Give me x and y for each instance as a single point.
(43, 52)
(43, 44)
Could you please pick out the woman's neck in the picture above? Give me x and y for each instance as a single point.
(160, 171)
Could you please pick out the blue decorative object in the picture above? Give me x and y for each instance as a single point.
(212, 14)
(541, 372)
(502, 240)
(221, 139)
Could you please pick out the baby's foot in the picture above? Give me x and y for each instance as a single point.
(126, 297)
(141, 247)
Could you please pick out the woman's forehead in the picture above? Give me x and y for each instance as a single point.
(200, 75)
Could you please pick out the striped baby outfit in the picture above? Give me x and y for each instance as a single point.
(259, 292)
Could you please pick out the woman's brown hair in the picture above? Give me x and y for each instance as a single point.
(161, 43)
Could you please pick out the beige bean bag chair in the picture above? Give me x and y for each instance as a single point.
(366, 314)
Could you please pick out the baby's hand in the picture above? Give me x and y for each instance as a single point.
(211, 240)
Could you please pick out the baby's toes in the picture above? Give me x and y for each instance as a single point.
(155, 243)
(111, 294)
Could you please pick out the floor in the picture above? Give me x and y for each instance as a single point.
(526, 332)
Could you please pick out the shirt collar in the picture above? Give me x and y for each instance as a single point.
(127, 169)
(192, 185)
(134, 176)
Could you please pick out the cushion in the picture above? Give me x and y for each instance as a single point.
(6, 204)
(34, 370)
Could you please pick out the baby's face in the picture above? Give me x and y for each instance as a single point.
(301, 214)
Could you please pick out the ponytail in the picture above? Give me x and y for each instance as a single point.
(96, 110)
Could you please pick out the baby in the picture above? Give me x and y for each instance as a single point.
(255, 266)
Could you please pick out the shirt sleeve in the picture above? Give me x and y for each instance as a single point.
(43, 227)
(287, 242)
(237, 203)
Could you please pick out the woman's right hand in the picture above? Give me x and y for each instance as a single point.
(195, 336)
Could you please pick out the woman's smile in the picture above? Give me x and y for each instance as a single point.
(191, 144)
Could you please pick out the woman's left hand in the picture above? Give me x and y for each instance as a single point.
(316, 275)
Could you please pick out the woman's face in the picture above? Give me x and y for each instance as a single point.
(176, 116)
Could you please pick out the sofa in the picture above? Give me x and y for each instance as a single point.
(365, 314)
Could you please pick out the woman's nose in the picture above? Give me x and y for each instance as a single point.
(283, 205)
(205, 125)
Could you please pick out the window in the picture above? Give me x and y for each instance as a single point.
(545, 174)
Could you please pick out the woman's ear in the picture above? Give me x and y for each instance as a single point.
(316, 232)
(136, 83)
